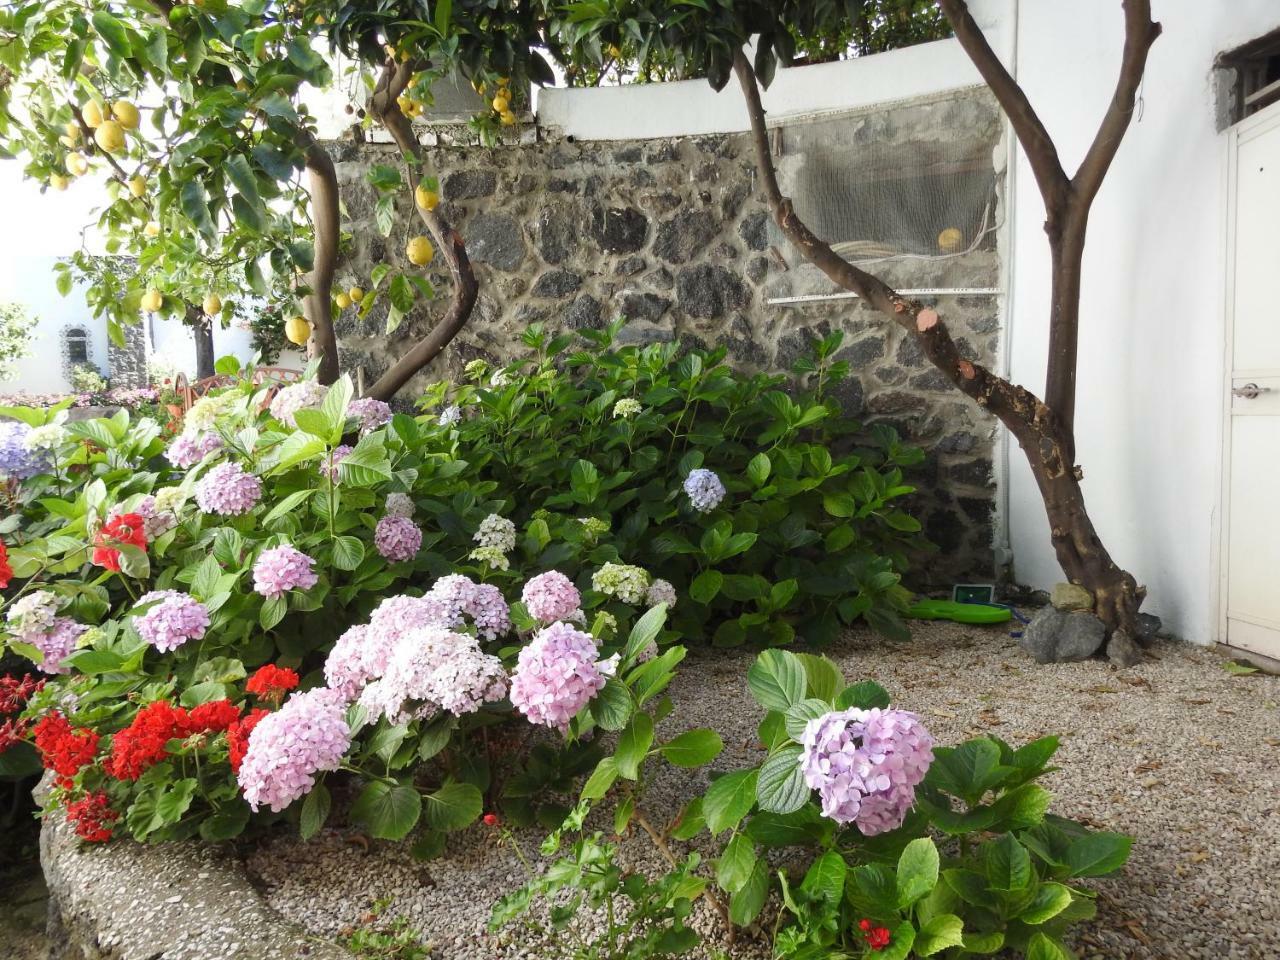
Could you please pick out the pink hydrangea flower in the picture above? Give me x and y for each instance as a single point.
(354, 660)
(370, 412)
(431, 669)
(34, 620)
(397, 538)
(190, 449)
(281, 569)
(228, 490)
(865, 765)
(309, 734)
(175, 619)
(661, 591)
(551, 596)
(297, 396)
(489, 611)
(329, 465)
(556, 675)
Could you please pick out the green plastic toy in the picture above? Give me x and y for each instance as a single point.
(975, 613)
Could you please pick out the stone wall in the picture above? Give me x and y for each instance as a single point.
(672, 235)
(127, 363)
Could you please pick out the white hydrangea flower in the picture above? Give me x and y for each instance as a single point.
(626, 408)
(497, 532)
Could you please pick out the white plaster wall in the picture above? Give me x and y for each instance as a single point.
(1150, 379)
(28, 280)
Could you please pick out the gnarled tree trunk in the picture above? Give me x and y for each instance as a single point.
(1043, 428)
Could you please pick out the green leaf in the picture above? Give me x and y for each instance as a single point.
(864, 695)
(735, 865)
(1007, 863)
(1050, 900)
(645, 631)
(758, 469)
(780, 787)
(273, 611)
(777, 680)
(825, 878)
(612, 706)
(348, 552)
(986, 942)
(633, 745)
(746, 904)
(454, 806)
(602, 778)
(195, 205)
(706, 585)
(113, 34)
(822, 677)
(917, 871)
(226, 822)
(286, 506)
(840, 504)
(1040, 947)
(335, 404)
(315, 811)
(939, 933)
(798, 717)
(901, 941)
(729, 799)
(693, 748)
(390, 812)
(1097, 854)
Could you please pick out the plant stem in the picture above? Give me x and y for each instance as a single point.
(660, 842)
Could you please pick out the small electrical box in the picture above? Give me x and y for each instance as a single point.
(973, 593)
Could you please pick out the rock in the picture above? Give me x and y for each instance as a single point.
(630, 266)
(495, 238)
(555, 284)
(757, 269)
(643, 306)
(708, 291)
(619, 229)
(754, 230)
(975, 473)
(585, 314)
(685, 235)
(1057, 636)
(1122, 651)
(470, 184)
(1149, 626)
(1071, 596)
(558, 232)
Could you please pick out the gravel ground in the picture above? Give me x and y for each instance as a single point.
(1176, 751)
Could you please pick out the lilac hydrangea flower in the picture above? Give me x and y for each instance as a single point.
(297, 396)
(397, 538)
(190, 448)
(288, 748)
(228, 490)
(661, 591)
(281, 569)
(16, 459)
(174, 620)
(431, 668)
(704, 489)
(399, 505)
(56, 643)
(370, 412)
(34, 619)
(865, 765)
(489, 611)
(355, 660)
(329, 465)
(551, 596)
(33, 613)
(450, 415)
(556, 675)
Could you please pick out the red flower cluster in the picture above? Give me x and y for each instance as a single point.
(271, 682)
(214, 716)
(491, 820)
(877, 937)
(14, 694)
(92, 815)
(143, 743)
(6, 571)
(63, 748)
(238, 736)
(126, 528)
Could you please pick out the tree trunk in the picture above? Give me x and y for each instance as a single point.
(202, 328)
(323, 187)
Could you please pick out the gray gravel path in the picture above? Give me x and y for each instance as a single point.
(1175, 751)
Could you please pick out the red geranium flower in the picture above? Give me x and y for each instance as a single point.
(6, 571)
(91, 816)
(63, 748)
(143, 743)
(14, 694)
(271, 682)
(125, 528)
(238, 736)
(491, 820)
(878, 938)
(214, 716)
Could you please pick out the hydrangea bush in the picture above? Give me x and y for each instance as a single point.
(773, 514)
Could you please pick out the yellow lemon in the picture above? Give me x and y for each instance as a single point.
(425, 198)
(404, 103)
(152, 300)
(72, 130)
(419, 251)
(137, 187)
(500, 104)
(503, 81)
(151, 230)
(109, 136)
(356, 294)
(297, 330)
(58, 181)
(126, 113)
(212, 305)
(343, 301)
(92, 113)
(77, 165)
(508, 119)
(69, 142)
(949, 240)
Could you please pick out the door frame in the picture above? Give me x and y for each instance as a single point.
(1259, 123)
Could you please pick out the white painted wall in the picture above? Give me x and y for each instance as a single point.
(1151, 339)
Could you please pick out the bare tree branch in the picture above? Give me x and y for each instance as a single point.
(1041, 152)
(383, 105)
(323, 187)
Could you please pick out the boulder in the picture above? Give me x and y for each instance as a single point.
(1057, 636)
(1071, 596)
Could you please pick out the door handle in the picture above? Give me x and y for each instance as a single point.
(1249, 391)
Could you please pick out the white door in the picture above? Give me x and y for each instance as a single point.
(1251, 482)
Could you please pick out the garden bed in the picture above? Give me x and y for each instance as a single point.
(1177, 751)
